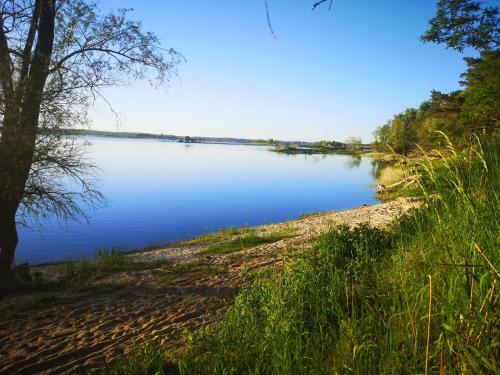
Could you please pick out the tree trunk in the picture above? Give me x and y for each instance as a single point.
(8, 236)
(14, 170)
(20, 123)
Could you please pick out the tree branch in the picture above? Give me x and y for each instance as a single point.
(26, 55)
(5, 66)
(315, 5)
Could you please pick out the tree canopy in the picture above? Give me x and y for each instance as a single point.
(460, 24)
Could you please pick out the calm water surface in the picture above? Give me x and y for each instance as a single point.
(162, 192)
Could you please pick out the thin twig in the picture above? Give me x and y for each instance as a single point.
(315, 5)
(486, 259)
(269, 20)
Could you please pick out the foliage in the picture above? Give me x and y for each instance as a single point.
(460, 114)
(328, 145)
(354, 143)
(402, 134)
(465, 23)
(459, 24)
(288, 322)
(59, 162)
(223, 233)
(480, 111)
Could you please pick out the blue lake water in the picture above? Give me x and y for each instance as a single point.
(162, 192)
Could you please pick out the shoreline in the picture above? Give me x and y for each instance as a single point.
(170, 251)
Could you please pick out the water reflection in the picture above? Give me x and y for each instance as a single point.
(162, 192)
(377, 166)
(353, 162)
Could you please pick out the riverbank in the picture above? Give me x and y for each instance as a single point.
(62, 326)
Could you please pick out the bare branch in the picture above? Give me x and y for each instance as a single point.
(5, 65)
(315, 5)
(26, 55)
(269, 19)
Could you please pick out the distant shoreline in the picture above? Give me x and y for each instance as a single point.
(183, 139)
(285, 147)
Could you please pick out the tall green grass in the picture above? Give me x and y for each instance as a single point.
(147, 359)
(106, 262)
(421, 297)
(289, 322)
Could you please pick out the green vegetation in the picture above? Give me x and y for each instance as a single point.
(460, 114)
(464, 114)
(309, 215)
(269, 141)
(395, 179)
(187, 270)
(293, 150)
(316, 148)
(420, 297)
(106, 262)
(110, 134)
(248, 239)
(462, 24)
(352, 145)
(224, 233)
(282, 323)
(147, 360)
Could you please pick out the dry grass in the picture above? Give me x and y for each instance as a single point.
(391, 175)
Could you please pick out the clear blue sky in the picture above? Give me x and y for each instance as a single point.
(328, 75)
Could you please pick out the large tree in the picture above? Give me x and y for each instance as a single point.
(55, 58)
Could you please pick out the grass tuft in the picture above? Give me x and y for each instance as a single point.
(223, 234)
(247, 240)
(147, 359)
(106, 261)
